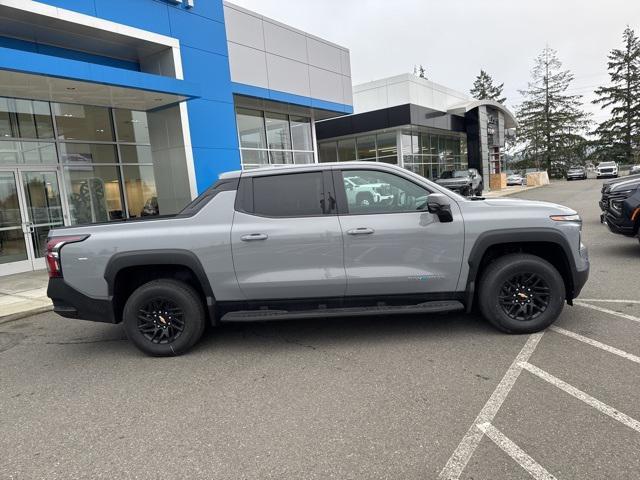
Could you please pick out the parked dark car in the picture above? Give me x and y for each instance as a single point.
(621, 206)
(606, 190)
(577, 172)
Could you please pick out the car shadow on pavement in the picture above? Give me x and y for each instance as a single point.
(319, 333)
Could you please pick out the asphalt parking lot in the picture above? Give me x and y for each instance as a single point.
(400, 398)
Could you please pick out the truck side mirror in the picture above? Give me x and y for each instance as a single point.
(440, 205)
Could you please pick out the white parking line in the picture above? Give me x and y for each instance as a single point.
(460, 457)
(608, 300)
(534, 469)
(606, 310)
(595, 343)
(580, 395)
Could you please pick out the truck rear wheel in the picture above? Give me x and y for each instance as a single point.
(521, 293)
(164, 317)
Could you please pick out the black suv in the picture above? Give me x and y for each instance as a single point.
(620, 205)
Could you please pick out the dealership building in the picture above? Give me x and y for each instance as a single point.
(112, 110)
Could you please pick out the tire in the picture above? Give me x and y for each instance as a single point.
(168, 340)
(550, 288)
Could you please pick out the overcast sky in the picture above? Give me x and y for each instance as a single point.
(453, 39)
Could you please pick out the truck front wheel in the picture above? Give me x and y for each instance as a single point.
(164, 317)
(521, 293)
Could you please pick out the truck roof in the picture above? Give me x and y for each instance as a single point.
(301, 167)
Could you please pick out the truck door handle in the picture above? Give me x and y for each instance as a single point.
(360, 231)
(254, 236)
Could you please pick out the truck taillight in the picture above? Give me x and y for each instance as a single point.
(52, 254)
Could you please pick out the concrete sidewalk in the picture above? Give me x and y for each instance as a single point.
(23, 294)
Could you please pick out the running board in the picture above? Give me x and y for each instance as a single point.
(267, 314)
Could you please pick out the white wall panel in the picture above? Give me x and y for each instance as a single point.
(285, 42)
(287, 75)
(268, 54)
(326, 85)
(323, 55)
(248, 65)
(244, 28)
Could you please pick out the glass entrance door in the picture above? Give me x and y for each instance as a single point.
(30, 205)
(14, 251)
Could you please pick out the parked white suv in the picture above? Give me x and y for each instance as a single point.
(607, 169)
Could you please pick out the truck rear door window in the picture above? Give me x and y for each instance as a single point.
(292, 195)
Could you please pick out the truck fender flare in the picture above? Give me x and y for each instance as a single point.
(178, 257)
(520, 235)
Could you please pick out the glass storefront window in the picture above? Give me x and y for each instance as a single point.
(301, 133)
(347, 150)
(251, 128)
(140, 188)
(135, 154)
(255, 158)
(25, 119)
(366, 147)
(82, 122)
(20, 153)
(302, 157)
(131, 126)
(278, 136)
(327, 152)
(85, 153)
(268, 138)
(94, 193)
(387, 144)
(279, 157)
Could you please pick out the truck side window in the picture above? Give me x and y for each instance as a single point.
(373, 192)
(291, 195)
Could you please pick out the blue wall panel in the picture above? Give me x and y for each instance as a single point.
(87, 7)
(145, 14)
(212, 72)
(212, 128)
(212, 162)
(198, 32)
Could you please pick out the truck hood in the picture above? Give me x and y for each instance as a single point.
(627, 184)
(553, 208)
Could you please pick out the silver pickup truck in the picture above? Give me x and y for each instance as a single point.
(293, 242)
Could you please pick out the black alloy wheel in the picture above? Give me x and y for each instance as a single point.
(164, 317)
(521, 293)
(160, 321)
(524, 296)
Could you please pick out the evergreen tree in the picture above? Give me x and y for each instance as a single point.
(549, 118)
(618, 138)
(484, 89)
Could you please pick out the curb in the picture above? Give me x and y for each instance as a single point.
(518, 191)
(27, 313)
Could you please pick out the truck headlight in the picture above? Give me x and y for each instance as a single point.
(566, 218)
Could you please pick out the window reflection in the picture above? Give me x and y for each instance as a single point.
(140, 187)
(82, 122)
(268, 138)
(94, 193)
(25, 119)
(131, 126)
